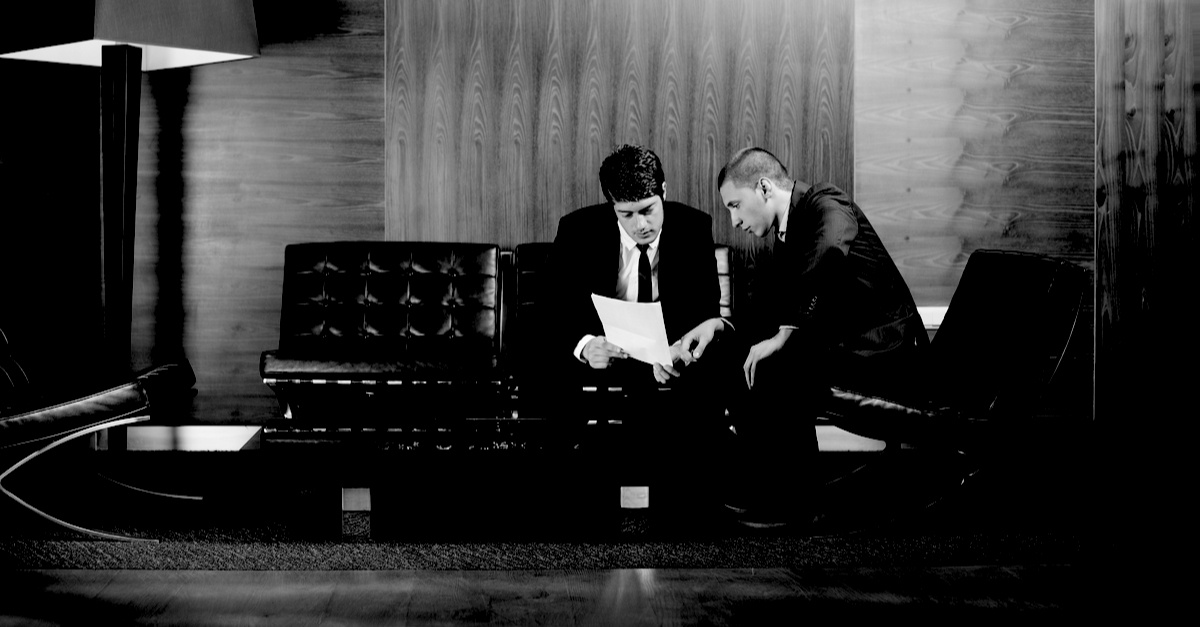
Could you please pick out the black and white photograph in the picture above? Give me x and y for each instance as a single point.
(597, 312)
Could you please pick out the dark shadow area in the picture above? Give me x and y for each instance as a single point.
(514, 497)
(49, 218)
(169, 90)
(537, 511)
(285, 21)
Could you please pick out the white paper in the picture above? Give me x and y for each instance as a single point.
(636, 327)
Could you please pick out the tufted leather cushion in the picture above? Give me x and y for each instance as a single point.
(531, 261)
(391, 310)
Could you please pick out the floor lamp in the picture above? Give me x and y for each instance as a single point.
(124, 38)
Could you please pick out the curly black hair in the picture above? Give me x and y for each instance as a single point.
(631, 173)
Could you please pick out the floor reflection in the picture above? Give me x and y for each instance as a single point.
(629, 597)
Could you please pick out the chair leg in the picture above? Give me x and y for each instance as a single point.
(963, 476)
(72, 436)
(166, 495)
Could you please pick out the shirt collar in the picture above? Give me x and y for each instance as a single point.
(628, 243)
(794, 200)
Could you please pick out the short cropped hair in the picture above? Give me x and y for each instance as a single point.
(631, 173)
(749, 165)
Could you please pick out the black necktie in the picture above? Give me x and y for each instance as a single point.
(645, 287)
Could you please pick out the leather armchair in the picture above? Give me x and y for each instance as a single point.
(1001, 344)
(385, 335)
(32, 424)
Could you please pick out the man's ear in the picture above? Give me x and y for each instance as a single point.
(766, 187)
(662, 191)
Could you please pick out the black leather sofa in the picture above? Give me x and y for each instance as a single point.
(395, 341)
(424, 345)
(415, 345)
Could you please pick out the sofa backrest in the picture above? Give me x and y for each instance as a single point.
(414, 301)
(1006, 331)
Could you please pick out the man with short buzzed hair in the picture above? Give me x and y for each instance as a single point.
(841, 313)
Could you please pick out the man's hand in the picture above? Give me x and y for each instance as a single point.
(688, 348)
(761, 351)
(664, 372)
(599, 352)
(695, 341)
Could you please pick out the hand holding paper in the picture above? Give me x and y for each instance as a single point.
(636, 327)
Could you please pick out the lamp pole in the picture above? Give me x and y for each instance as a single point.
(120, 106)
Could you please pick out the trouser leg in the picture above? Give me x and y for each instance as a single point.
(672, 438)
(776, 443)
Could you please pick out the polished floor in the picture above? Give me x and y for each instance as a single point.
(903, 575)
(1008, 571)
(614, 597)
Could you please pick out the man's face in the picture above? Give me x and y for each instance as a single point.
(747, 208)
(641, 219)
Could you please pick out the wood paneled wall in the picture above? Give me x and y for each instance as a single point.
(973, 129)
(238, 160)
(1148, 59)
(973, 124)
(487, 121)
(499, 112)
(498, 115)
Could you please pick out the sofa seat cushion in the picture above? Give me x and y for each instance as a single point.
(80, 413)
(443, 366)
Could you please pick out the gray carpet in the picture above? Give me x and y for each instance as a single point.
(304, 529)
(196, 537)
(744, 552)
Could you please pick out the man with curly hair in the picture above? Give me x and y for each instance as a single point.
(638, 247)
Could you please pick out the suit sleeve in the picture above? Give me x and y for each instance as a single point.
(818, 266)
(698, 293)
(569, 314)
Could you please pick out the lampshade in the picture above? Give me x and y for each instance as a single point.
(171, 33)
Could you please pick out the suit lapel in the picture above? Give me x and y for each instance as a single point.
(606, 256)
(664, 248)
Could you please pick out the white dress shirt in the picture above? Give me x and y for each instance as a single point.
(627, 283)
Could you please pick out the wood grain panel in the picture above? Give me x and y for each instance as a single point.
(973, 129)
(499, 113)
(973, 125)
(1146, 182)
(238, 160)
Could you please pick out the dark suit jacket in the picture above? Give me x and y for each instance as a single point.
(841, 290)
(586, 259)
